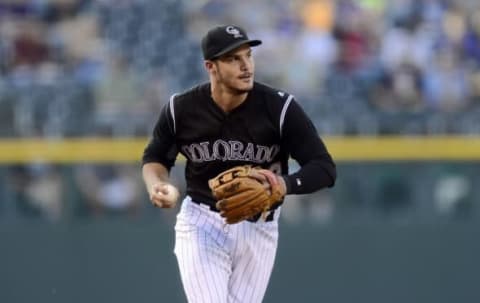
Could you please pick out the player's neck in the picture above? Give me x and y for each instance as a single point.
(226, 99)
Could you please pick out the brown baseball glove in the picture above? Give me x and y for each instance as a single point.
(241, 195)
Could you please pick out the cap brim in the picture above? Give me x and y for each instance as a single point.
(236, 45)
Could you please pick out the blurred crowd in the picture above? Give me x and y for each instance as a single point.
(407, 193)
(71, 68)
(104, 67)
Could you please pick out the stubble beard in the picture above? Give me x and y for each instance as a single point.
(240, 91)
(229, 85)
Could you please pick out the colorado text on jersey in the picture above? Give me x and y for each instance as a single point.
(230, 150)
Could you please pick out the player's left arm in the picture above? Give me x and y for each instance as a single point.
(300, 138)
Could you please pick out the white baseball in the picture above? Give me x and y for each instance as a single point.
(173, 193)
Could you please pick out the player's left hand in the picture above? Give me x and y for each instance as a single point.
(245, 191)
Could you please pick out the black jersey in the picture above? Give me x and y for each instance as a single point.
(265, 130)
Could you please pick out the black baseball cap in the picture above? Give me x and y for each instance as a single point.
(222, 39)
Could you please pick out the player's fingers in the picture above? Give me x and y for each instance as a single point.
(160, 188)
(157, 197)
(256, 174)
(168, 204)
(159, 200)
(269, 176)
(156, 202)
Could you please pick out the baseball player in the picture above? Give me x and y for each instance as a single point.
(229, 121)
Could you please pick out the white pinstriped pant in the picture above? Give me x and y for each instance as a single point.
(222, 263)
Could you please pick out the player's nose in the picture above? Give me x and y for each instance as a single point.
(245, 64)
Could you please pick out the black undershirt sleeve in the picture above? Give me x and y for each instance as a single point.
(161, 148)
(300, 138)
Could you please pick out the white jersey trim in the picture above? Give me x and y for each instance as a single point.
(284, 112)
(172, 111)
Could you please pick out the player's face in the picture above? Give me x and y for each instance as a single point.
(235, 69)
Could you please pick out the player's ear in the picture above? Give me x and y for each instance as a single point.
(209, 65)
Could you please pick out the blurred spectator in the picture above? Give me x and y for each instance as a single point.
(29, 45)
(400, 90)
(394, 193)
(446, 83)
(471, 39)
(109, 190)
(18, 179)
(452, 195)
(117, 94)
(37, 190)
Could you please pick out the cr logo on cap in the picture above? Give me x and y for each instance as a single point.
(233, 31)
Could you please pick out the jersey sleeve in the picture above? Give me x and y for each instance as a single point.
(161, 147)
(300, 138)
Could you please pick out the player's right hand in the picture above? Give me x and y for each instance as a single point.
(270, 180)
(164, 195)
